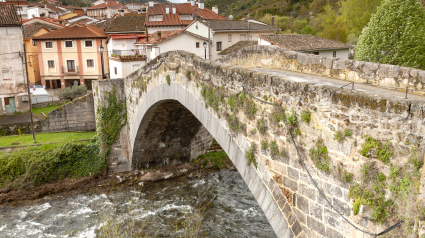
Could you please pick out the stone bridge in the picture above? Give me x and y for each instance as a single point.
(178, 103)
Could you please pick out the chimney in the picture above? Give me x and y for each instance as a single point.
(158, 35)
(272, 20)
(151, 4)
(167, 9)
(201, 4)
(174, 8)
(215, 9)
(192, 3)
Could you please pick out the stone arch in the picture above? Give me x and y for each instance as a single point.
(259, 181)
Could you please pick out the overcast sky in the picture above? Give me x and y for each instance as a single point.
(177, 1)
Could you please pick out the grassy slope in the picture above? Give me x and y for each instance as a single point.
(45, 138)
(46, 110)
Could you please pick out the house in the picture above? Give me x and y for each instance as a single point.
(308, 44)
(164, 41)
(136, 7)
(31, 29)
(74, 9)
(124, 56)
(20, 5)
(71, 55)
(13, 85)
(45, 10)
(170, 17)
(225, 33)
(107, 10)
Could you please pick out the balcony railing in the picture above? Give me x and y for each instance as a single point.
(66, 70)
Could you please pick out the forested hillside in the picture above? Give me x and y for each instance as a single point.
(341, 20)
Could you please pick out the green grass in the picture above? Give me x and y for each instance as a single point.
(46, 110)
(6, 141)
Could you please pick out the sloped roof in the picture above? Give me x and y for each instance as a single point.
(304, 42)
(103, 24)
(73, 32)
(115, 4)
(126, 36)
(228, 25)
(40, 20)
(31, 29)
(127, 23)
(181, 9)
(165, 35)
(238, 46)
(9, 15)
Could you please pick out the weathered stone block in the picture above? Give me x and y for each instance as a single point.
(293, 173)
(316, 225)
(307, 191)
(342, 207)
(332, 190)
(302, 204)
(289, 183)
(331, 218)
(331, 233)
(316, 210)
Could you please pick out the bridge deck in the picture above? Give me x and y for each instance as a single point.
(323, 81)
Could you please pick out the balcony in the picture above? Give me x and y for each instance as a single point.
(70, 71)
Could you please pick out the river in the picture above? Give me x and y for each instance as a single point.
(158, 209)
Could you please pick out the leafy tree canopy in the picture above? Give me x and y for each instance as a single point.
(358, 13)
(395, 35)
(334, 26)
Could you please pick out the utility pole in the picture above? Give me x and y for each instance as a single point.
(29, 94)
(209, 42)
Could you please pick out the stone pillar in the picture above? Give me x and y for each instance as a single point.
(3, 106)
(17, 103)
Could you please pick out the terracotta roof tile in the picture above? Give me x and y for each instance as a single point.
(238, 46)
(34, 20)
(303, 42)
(9, 15)
(127, 23)
(181, 9)
(108, 4)
(126, 36)
(73, 32)
(31, 29)
(103, 24)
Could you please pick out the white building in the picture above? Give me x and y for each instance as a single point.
(308, 44)
(164, 41)
(13, 91)
(20, 5)
(226, 33)
(124, 56)
(171, 17)
(136, 7)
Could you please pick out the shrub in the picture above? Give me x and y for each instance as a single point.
(234, 124)
(73, 92)
(291, 118)
(274, 148)
(276, 116)
(383, 151)
(319, 155)
(261, 125)
(306, 116)
(348, 177)
(250, 155)
(264, 144)
(168, 79)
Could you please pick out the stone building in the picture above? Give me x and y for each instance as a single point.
(13, 92)
(308, 44)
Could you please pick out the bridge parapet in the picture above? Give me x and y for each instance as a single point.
(354, 71)
(338, 120)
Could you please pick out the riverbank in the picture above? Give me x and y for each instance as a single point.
(204, 164)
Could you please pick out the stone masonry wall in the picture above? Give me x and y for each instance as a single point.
(77, 115)
(201, 143)
(349, 70)
(281, 184)
(118, 157)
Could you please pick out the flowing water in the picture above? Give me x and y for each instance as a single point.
(162, 207)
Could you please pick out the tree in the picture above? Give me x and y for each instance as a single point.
(357, 13)
(308, 30)
(73, 92)
(334, 25)
(395, 35)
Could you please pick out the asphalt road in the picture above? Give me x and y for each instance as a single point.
(323, 81)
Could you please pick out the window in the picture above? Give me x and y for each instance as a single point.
(19, 8)
(49, 45)
(316, 53)
(5, 74)
(334, 54)
(218, 46)
(197, 44)
(243, 37)
(6, 101)
(70, 65)
(68, 43)
(229, 37)
(115, 69)
(51, 63)
(113, 12)
(34, 43)
(90, 63)
(88, 43)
